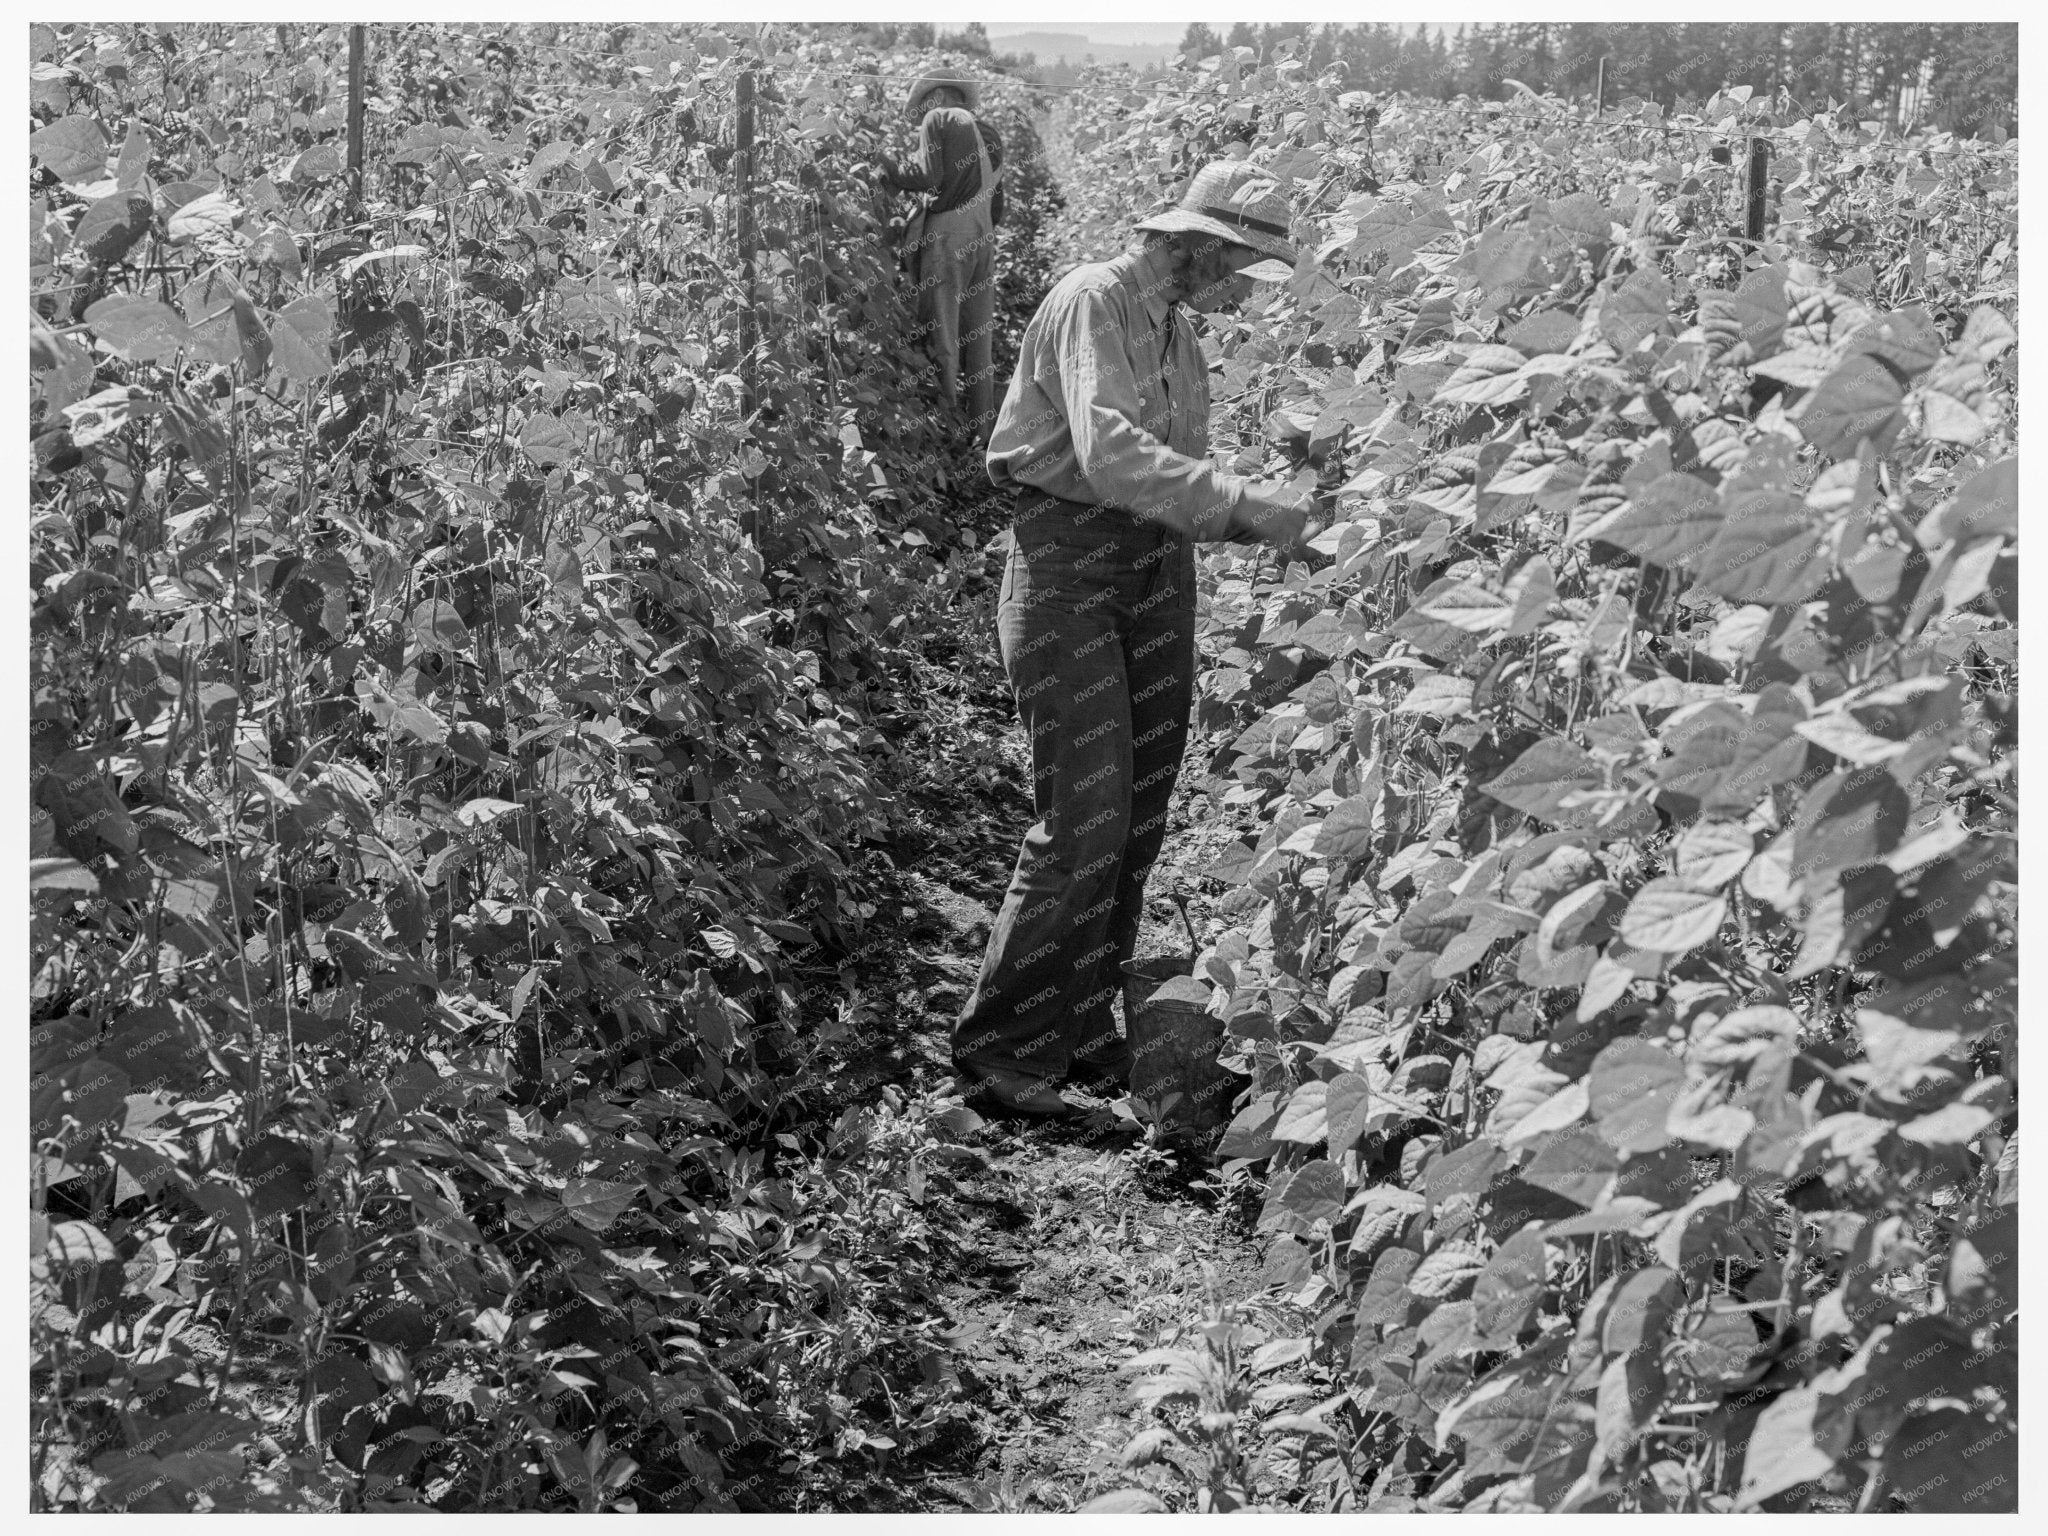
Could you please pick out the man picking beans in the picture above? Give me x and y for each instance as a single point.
(1104, 436)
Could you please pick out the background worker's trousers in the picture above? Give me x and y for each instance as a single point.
(1097, 626)
(956, 308)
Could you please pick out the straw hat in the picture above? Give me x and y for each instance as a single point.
(931, 80)
(1236, 200)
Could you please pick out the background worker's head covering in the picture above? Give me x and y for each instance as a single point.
(933, 80)
(1238, 201)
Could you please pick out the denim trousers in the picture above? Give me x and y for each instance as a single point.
(956, 308)
(1097, 628)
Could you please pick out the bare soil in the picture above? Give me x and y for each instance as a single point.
(1079, 1243)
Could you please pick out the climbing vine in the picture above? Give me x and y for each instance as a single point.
(1620, 950)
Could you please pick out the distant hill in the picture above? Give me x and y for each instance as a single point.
(1052, 47)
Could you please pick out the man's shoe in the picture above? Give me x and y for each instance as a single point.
(1018, 1092)
(1102, 1057)
(1110, 1068)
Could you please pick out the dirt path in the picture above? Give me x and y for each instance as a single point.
(1077, 1244)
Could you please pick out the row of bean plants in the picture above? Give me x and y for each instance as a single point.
(445, 816)
(1620, 946)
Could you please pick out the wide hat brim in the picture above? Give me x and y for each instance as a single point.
(1279, 247)
(926, 84)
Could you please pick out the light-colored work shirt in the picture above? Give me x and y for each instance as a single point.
(1110, 402)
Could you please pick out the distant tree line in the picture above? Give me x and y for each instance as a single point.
(973, 38)
(1962, 76)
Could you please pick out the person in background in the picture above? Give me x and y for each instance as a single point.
(951, 237)
(1104, 435)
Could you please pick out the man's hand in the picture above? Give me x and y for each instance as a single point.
(1282, 517)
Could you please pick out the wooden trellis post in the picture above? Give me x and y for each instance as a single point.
(355, 111)
(1758, 186)
(743, 212)
(743, 229)
(1599, 87)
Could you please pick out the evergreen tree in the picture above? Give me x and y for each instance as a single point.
(1976, 80)
(1901, 49)
(1662, 52)
(1440, 67)
(1528, 54)
(972, 38)
(1806, 46)
(1459, 51)
(1322, 49)
(1416, 66)
(1970, 69)
(1379, 59)
(1274, 34)
(1477, 74)
(1580, 45)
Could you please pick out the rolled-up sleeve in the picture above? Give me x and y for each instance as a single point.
(1123, 464)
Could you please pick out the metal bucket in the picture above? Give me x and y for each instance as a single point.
(1173, 1048)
